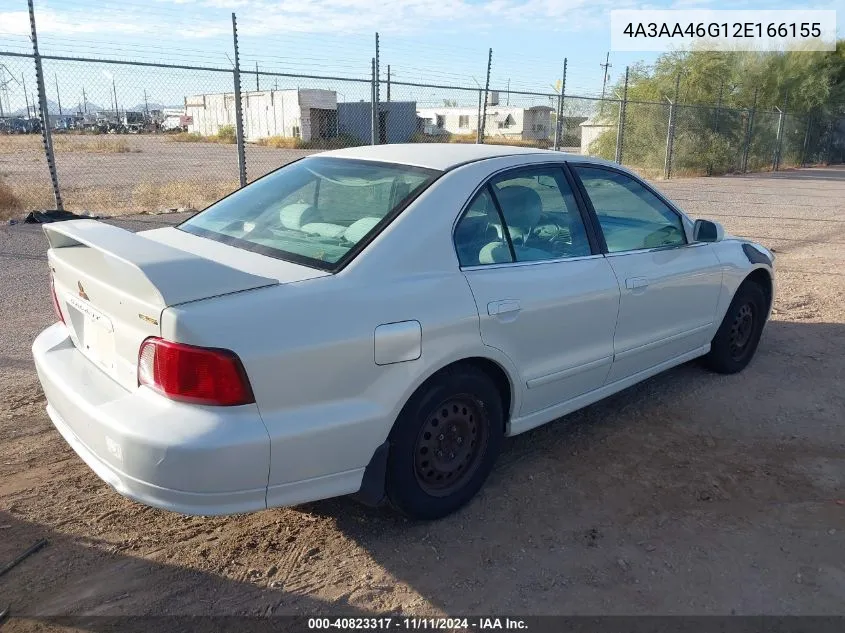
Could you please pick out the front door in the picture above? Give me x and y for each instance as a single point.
(669, 287)
(545, 296)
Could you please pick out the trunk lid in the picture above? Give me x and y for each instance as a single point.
(112, 286)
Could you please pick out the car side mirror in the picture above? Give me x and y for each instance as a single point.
(707, 231)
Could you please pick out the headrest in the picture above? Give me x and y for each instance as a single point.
(293, 216)
(358, 229)
(521, 206)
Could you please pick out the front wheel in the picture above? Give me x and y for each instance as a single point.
(736, 339)
(444, 443)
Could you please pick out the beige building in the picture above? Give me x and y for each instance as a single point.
(302, 113)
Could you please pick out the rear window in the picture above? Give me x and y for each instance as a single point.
(314, 211)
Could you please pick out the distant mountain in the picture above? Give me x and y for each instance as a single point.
(53, 108)
(139, 107)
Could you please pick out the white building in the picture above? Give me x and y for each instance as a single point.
(591, 130)
(303, 113)
(531, 123)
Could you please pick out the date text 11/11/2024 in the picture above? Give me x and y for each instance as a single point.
(418, 624)
(725, 30)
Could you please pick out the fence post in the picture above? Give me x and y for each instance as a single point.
(749, 129)
(239, 115)
(716, 115)
(478, 131)
(670, 141)
(670, 133)
(373, 115)
(781, 124)
(778, 141)
(620, 129)
(486, 97)
(376, 96)
(829, 141)
(560, 97)
(44, 113)
(806, 141)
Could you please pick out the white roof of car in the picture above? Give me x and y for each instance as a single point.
(436, 155)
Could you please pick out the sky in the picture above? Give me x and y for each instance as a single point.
(443, 42)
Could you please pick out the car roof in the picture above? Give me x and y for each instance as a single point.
(441, 156)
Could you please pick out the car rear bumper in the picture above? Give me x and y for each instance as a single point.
(185, 458)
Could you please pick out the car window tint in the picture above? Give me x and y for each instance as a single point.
(541, 215)
(477, 240)
(313, 211)
(631, 216)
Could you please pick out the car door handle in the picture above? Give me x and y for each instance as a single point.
(502, 307)
(636, 282)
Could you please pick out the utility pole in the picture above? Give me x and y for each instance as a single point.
(84, 101)
(114, 92)
(605, 67)
(58, 96)
(257, 85)
(388, 83)
(25, 95)
(508, 101)
(146, 107)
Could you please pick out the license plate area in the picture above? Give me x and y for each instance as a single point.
(91, 331)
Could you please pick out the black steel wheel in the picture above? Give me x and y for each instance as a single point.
(742, 330)
(737, 338)
(444, 443)
(449, 446)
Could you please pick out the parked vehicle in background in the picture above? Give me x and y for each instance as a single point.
(20, 125)
(376, 320)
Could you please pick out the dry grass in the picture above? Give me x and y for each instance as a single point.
(225, 135)
(16, 200)
(281, 142)
(64, 143)
(186, 194)
(92, 144)
(10, 204)
(14, 143)
(288, 142)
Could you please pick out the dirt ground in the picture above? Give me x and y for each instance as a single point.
(691, 493)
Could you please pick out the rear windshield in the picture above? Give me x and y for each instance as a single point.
(314, 211)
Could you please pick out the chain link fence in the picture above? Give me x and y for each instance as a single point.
(132, 137)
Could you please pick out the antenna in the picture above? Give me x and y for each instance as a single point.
(605, 66)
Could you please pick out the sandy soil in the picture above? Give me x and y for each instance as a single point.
(691, 493)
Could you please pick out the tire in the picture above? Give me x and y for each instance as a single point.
(737, 338)
(444, 443)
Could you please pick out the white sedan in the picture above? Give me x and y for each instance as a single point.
(376, 320)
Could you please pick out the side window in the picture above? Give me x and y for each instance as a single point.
(541, 215)
(631, 217)
(476, 239)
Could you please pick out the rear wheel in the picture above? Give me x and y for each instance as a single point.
(737, 338)
(445, 443)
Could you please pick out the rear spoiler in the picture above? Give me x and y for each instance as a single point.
(153, 272)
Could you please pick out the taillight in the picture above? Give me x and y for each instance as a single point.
(199, 375)
(56, 306)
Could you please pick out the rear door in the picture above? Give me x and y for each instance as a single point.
(546, 297)
(669, 286)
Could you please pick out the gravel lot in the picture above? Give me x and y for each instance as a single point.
(689, 494)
